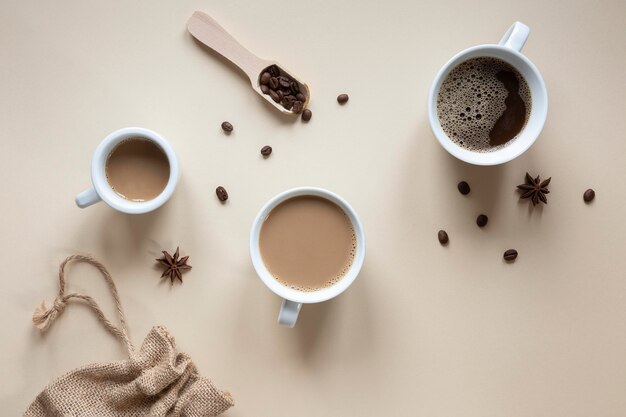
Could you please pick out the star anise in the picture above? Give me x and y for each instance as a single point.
(175, 266)
(535, 189)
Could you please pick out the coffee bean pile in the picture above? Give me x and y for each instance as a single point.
(282, 88)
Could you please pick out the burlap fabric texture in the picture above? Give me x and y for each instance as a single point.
(155, 380)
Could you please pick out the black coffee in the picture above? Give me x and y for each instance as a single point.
(483, 104)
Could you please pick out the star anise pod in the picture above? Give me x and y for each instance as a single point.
(175, 266)
(535, 189)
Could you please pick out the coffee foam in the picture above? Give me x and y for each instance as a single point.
(334, 279)
(471, 100)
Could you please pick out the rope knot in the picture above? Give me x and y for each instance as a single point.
(43, 316)
(59, 304)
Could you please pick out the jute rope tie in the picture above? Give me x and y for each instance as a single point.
(44, 317)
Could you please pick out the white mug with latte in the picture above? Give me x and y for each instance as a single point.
(307, 245)
(489, 103)
(134, 170)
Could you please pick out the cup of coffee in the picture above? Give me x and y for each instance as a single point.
(307, 245)
(489, 103)
(133, 170)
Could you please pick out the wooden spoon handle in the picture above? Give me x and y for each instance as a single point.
(204, 28)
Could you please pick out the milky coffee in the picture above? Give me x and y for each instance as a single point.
(307, 243)
(483, 104)
(137, 169)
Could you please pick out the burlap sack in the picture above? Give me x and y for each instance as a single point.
(156, 380)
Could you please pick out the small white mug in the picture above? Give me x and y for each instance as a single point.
(507, 50)
(101, 189)
(293, 299)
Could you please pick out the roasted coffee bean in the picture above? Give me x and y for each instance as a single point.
(266, 150)
(463, 187)
(221, 193)
(273, 70)
(306, 115)
(284, 81)
(482, 220)
(297, 106)
(443, 237)
(287, 102)
(282, 89)
(589, 195)
(510, 255)
(227, 127)
(274, 96)
(342, 98)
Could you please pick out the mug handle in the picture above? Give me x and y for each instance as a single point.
(288, 314)
(87, 198)
(515, 37)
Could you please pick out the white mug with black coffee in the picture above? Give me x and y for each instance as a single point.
(489, 103)
(307, 245)
(134, 170)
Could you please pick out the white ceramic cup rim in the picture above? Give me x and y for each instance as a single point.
(534, 125)
(291, 294)
(102, 186)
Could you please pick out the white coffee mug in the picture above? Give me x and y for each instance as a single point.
(507, 50)
(293, 299)
(101, 189)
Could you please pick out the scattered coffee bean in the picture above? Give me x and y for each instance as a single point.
(463, 187)
(265, 78)
(510, 255)
(282, 88)
(589, 195)
(227, 127)
(342, 98)
(222, 195)
(443, 237)
(306, 115)
(297, 106)
(266, 151)
(482, 220)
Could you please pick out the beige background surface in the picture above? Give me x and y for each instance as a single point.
(425, 330)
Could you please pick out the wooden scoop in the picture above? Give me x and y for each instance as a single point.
(204, 28)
